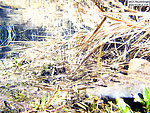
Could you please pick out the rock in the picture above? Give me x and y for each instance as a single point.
(139, 66)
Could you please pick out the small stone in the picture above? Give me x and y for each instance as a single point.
(139, 66)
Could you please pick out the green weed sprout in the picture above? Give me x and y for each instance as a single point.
(17, 62)
(145, 100)
(124, 108)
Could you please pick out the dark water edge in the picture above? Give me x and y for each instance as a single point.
(10, 31)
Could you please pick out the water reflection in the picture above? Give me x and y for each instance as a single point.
(11, 31)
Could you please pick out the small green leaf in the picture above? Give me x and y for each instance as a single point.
(18, 63)
(43, 101)
(90, 96)
(75, 89)
(126, 110)
(146, 94)
(122, 105)
(147, 104)
(15, 60)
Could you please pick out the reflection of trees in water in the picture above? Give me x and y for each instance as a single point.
(35, 34)
(5, 38)
(2, 13)
(5, 33)
(2, 50)
(15, 32)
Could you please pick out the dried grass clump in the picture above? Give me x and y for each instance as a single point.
(109, 34)
(118, 38)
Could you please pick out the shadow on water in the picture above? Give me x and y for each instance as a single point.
(3, 51)
(15, 32)
(3, 34)
(13, 27)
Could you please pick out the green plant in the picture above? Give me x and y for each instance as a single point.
(145, 100)
(49, 103)
(18, 96)
(123, 106)
(17, 62)
(94, 100)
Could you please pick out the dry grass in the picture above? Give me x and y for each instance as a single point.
(117, 34)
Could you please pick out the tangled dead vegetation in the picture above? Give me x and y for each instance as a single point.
(108, 35)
